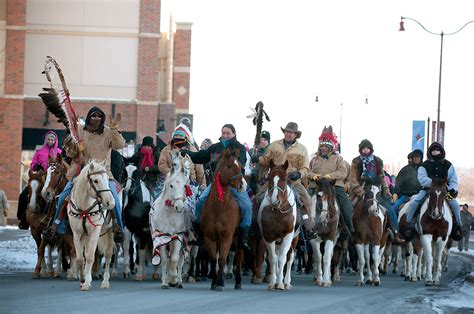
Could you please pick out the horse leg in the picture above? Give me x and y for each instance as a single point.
(438, 252)
(284, 248)
(107, 245)
(39, 261)
(426, 241)
(318, 274)
(165, 284)
(361, 264)
(175, 250)
(376, 253)
(73, 268)
(79, 248)
(395, 259)
(90, 252)
(180, 268)
(238, 259)
(272, 260)
(229, 267)
(212, 252)
(257, 277)
(224, 248)
(367, 263)
(141, 269)
(192, 264)
(328, 251)
(289, 264)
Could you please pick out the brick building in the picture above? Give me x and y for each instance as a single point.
(113, 55)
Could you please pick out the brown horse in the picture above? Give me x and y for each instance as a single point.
(368, 221)
(277, 220)
(221, 216)
(325, 212)
(54, 184)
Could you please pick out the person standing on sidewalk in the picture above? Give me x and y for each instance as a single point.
(4, 207)
(466, 218)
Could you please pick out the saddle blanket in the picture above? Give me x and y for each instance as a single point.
(161, 238)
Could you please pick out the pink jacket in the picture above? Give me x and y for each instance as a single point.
(41, 156)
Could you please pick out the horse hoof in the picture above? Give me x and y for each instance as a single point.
(368, 282)
(429, 283)
(126, 275)
(155, 276)
(213, 287)
(394, 271)
(85, 287)
(56, 275)
(70, 277)
(326, 285)
(383, 272)
(288, 286)
(413, 279)
(406, 278)
(179, 286)
(360, 284)
(256, 280)
(114, 274)
(271, 286)
(279, 286)
(375, 283)
(402, 274)
(165, 286)
(229, 276)
(105, 286)
(191, 280)
(36, 275)
(219, 288)
(238, 286)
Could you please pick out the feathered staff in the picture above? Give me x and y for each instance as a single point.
(59, 104)
(257, 116)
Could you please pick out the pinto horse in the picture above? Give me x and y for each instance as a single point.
(325, 212)
(369, 221)
(220, 218)
(91, 227)
(435, 222)
(170, 222)
(277, 220)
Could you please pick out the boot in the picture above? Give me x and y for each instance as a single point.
(398, 238)
(118, 236)
(456, 233)
(49, 234)
(410, 230)
(244, 238)
(197, 233)
(22, 223)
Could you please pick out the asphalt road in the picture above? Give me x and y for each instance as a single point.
(21, 294)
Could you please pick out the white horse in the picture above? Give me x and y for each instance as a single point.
(170, 222)
(277, 219)
(89, 197)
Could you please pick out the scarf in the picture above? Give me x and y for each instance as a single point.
(220, 189)
(147, 159)
(368, 166)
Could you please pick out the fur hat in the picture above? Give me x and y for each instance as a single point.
(266, 135)
(366, 143)
(328, 138)
(292, 127)
(147, 141)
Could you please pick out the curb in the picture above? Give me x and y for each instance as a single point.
(468, 277)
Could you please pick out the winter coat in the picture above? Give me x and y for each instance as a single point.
(4, 207)
(151, 176)
(441, 168)
(97, 146)
(165, 163)
(212, 154)
(356, 173)
(296, 154)
(466, 218)
(333, 165)
(407, 182)
(40, 157)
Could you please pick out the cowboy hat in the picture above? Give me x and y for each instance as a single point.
(292, 127)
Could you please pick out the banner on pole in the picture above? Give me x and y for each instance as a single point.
(418, 137)
(441, 132)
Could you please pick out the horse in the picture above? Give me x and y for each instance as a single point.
(37, 218)
(136, 211)
(170, 222)
(220, 218)
(325, 212)
(54, 183)
(91, 227)
(277, 220)
(435, 224)
(369, 219)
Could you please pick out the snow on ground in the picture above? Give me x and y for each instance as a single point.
(457, 297)
(17, 255)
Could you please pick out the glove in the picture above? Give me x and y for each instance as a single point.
(113, 124)
(451, 194)
(254, 159)
(394, 197)
(294, 176)
(327, 176)
(315, 177)
(387, 194)
(184, 152)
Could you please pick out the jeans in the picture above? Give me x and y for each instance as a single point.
(401, 200)
(242, 199)
(346, 206)
(61, 229)
(453, 204)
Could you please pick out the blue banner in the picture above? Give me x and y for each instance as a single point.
(418, 138)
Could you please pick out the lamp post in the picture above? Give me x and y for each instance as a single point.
(442, 34)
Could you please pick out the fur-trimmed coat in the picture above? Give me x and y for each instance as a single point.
(356, 173)
(333, 165)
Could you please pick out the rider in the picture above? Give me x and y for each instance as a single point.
(257, 174)
(290, 149)
(436, 166)
(180, 139)
(329, 164)
(406, 183)
(146, 161)
(97, 141)
(367, 165)
(40, 161)
(228, 139)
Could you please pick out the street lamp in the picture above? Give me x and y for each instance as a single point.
(442, 34)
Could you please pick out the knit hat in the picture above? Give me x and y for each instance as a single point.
(266, 135)
(366, 143)
(328, 138)
(51, 136)
(292, 127)
(147, 141)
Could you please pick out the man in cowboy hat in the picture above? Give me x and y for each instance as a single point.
(290, 149)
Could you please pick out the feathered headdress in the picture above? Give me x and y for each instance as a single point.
(328, 138)
(57, 102)
(182, 131)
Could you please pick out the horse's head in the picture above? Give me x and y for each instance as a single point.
(230, 169)
(325, 199)
(35, 185)
(55, 178)
(277, 193)
(371, 192)
(179, 162)
(130, 169)
(98, 180)
(437, 194)
(176, 188)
